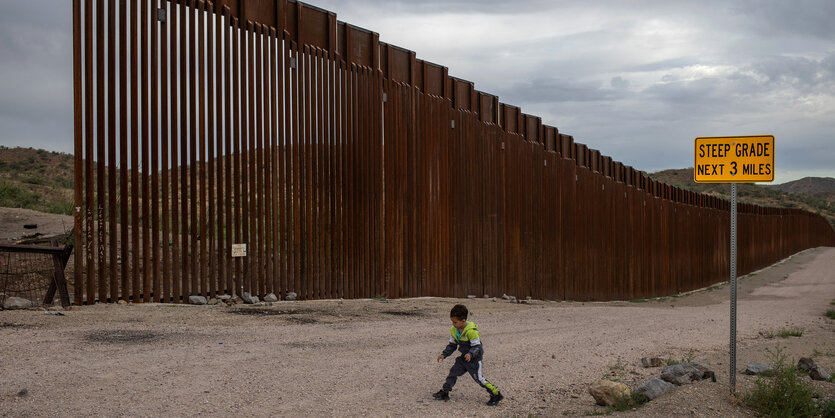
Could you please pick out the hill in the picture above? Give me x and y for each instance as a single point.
(43, 181)
(821, 188)
(36, 179)
(754, 193)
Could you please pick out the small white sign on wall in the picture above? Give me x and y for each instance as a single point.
(238, 250)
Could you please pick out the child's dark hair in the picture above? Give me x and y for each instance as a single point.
(459, 311)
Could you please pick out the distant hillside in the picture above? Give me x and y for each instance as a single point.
(751, 193)
(36, 179)
(821, 188)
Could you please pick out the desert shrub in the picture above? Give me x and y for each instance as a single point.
(12, 196)
(784, 394)
(830, 314)
(61, 207)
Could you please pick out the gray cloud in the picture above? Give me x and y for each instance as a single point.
(636, 80)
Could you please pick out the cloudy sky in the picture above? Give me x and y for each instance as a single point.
(638, 80)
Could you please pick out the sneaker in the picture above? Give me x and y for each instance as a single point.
(494, 399)
(441, 395)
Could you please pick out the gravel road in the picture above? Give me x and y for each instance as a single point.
(377, 357)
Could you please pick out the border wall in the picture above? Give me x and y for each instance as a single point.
(352, 169)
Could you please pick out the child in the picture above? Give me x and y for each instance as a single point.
(464, 335)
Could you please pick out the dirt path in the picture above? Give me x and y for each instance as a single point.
(372, 357)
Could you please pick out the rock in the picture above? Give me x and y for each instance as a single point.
(247, 298)
(683, 373)
(291, 296)
(122, 302)
(57, 308)
(529, 299)
(254, 300)
(512, 299)
(505, 296)
(14, 302)
(196, 300)
(654, 388)
(755, 368)
(270, 298)
(224, 297)
(607, 392)
(818, 373)
(213, 301)
(486, 296)
(259, 304)
(651, 362)
(494, 299)
(806, 364)
(470, 296)
(23, 392)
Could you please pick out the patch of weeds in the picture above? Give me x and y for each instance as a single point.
(381, 297)
(833, 302)
(569, 413)
(816, 353)
(712, 288)
(639, 300)
(688, 358)
(783, 394)
(830, 314)
(627, 403)
(618, 370)
(783, 333)
(597, 413)
(790, 332)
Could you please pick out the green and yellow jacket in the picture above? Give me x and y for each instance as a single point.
(467, 341)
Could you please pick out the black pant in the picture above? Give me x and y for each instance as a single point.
(473, 367)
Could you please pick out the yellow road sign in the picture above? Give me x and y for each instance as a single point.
(734, 159)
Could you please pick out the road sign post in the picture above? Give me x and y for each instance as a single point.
(735, 159)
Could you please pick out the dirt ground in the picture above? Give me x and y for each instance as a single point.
(12, 223)
(377, 357)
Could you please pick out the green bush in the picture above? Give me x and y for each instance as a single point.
(830, 314)
(61, 207)
(829, 409)
(784, 394)
(12, 196)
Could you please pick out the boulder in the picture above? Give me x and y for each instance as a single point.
(196, 300)
(291, 296)
(755, 368)
(224, 297)
(505, 296)
(683, 373)
(470, 296)
(213, 301)
(651, 362)
(247, 298)
(14, 302)
(653, 388)
(818, 373)
(270, 298)
(607, 392)
(806, 364)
